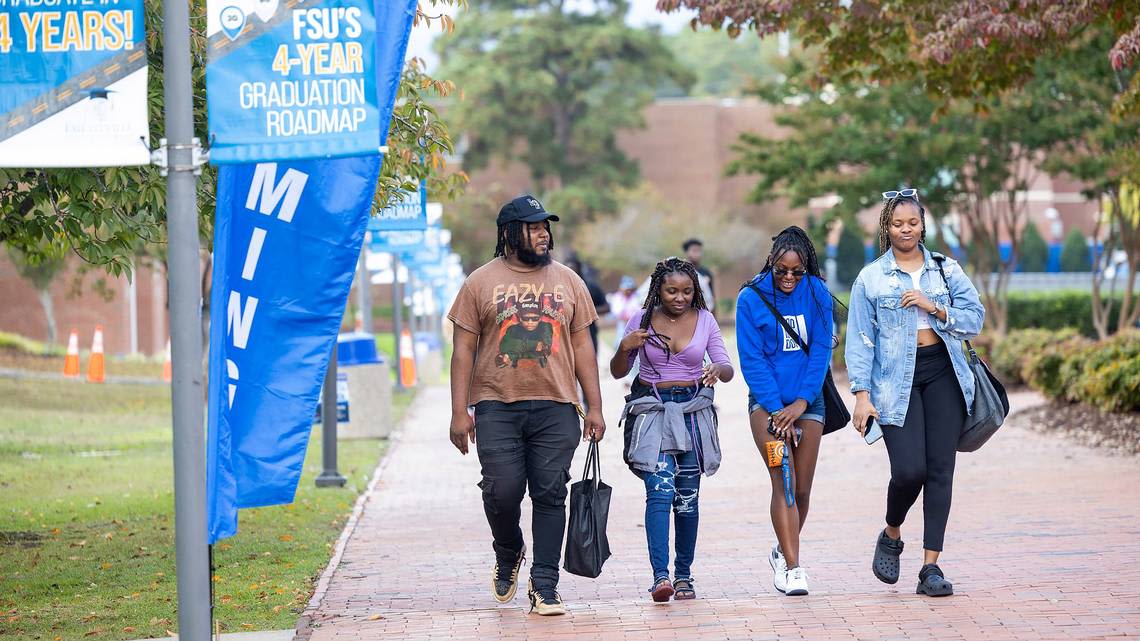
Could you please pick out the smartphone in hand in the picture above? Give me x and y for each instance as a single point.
(873, 432)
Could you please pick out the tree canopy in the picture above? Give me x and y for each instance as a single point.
(550, 87)
(970, 49)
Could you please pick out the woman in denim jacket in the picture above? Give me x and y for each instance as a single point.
(909, 371)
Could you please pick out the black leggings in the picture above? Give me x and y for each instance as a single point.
(922, 450)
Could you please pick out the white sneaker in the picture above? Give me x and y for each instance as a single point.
(779, 568)
(796, 582)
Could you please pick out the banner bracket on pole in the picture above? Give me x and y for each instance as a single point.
(198, 157)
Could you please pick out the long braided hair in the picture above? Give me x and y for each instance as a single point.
(664, 269)
(795, 239)
(671, 265)
(511, 236)
(885, 219)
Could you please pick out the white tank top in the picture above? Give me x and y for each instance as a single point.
(923, 317)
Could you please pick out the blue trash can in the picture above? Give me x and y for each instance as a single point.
(357, 348)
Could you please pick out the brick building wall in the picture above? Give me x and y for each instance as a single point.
(82, 306)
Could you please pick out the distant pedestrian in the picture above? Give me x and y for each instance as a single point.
(624, 303)
(521, 349)
(695, 252)
(784, 336)
(597, 295)
(908, 371)
(671, 430)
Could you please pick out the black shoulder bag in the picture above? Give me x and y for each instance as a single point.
(991, 403)
(835, 414)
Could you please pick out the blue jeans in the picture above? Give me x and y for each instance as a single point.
(674, 486)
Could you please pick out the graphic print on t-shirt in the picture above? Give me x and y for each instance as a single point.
(800, 325)
(530, 323)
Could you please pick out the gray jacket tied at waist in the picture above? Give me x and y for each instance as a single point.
(660, 427)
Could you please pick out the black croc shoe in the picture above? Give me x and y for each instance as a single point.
(931, 582)
(886, 563)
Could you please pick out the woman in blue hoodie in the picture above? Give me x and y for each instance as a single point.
(785, 373)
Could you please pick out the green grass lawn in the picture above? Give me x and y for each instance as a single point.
(87, 527)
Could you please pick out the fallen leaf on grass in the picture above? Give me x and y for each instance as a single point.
(107, 566)
(286, 537)
(128, 629)
(247, 626)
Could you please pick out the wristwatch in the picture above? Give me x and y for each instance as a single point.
(938, 307)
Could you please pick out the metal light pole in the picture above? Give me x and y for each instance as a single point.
(182, 160)
(364, 282)
(397, 313)
(330, 476)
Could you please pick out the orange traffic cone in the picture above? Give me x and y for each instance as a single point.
(407, 360)
(95, 366)
(167, 366)
(71, 363)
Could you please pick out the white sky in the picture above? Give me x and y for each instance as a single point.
(641, 13)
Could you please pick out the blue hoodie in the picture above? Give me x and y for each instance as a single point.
(775, 367)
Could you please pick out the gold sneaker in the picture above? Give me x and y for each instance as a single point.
(546, 602)
(505, 577)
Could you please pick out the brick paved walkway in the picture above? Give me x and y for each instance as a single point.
(1044, 543)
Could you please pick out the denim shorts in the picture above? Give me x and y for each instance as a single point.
(814, 411)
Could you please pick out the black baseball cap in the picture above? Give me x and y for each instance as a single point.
(525, 208)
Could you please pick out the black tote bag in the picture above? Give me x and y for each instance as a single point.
(835, 413)
(991, 403)
(587, 547)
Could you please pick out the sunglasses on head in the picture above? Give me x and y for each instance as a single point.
(905, 193)
(784, 271)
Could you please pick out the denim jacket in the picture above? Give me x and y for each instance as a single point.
(882, 336)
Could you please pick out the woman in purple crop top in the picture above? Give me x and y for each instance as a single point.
(671, 335)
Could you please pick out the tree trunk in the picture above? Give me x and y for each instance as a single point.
(49, 312)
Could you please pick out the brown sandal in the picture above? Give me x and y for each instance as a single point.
(683, 590)
(661, 590)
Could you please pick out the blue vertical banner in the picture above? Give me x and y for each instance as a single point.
(288, 80)
(286, 240)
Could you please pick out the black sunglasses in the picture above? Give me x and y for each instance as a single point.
(783, 271)
(905, 193)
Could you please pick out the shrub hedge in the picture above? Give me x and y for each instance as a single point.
(1069, 367)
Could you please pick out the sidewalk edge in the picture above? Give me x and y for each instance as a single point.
(303, 629)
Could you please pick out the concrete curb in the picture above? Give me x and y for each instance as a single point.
(34, 375)
(303, 628)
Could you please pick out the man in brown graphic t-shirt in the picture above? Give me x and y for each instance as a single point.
(521, 350)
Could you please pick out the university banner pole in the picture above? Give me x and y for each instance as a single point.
(182, 161)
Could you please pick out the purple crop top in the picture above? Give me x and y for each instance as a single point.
(687, 365)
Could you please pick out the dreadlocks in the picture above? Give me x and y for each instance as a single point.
(511, 236)
(885, 219)
(794, 239)
(671, 265)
